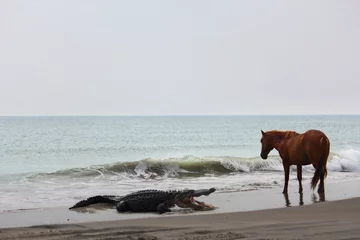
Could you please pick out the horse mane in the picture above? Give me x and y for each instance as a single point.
(283, 134)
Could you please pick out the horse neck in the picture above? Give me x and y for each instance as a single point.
(279, 137)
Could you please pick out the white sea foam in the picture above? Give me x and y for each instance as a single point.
(346, 161)
(63, 188)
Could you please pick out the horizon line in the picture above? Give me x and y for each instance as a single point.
(188, 115)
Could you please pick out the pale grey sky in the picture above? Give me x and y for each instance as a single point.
(85, 57)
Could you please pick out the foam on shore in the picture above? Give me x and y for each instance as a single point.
(226, 203)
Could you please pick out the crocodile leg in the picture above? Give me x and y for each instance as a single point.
(122, 207)
(164, 207)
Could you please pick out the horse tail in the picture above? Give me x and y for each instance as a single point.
(321, 168)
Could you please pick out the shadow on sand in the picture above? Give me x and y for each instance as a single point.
(315, 198)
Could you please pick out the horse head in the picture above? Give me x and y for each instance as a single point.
(266, 145)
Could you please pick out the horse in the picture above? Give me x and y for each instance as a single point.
(310, 147)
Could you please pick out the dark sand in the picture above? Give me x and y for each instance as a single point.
(239, 216)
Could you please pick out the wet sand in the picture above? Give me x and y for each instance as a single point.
(246, 215)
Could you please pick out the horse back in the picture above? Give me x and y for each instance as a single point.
(315, 137)
(308, 145)
(316, 143)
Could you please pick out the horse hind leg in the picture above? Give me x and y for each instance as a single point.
(321, 188)
(321, 170)
(320, 174)
(299, 177)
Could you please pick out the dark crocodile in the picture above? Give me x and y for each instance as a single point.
(152, 200)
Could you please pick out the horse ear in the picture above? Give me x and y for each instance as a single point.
(262, 132)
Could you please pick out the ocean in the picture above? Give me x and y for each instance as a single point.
(57, 161)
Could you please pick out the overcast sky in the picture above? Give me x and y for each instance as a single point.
(85, 57)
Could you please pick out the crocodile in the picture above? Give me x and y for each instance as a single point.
(152, 200)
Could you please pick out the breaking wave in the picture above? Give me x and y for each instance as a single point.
(188, 166)
(192, 166)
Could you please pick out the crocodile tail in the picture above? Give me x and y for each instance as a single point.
(94, 200)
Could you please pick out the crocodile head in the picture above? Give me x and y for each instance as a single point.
(186, 199)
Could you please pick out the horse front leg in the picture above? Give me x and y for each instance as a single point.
(287, 173)
(299, 177)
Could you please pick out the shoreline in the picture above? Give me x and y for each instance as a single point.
(327, 220)
(226, 202)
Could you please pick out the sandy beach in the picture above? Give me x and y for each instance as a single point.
(331, 220)
(246, 215)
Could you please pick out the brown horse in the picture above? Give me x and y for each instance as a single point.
(311, 147)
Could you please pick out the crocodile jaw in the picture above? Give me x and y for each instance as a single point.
(194, 204)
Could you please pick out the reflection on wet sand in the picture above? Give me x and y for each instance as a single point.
(321, 197)
(316, 198)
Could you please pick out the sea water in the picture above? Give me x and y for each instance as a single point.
(56, 161)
